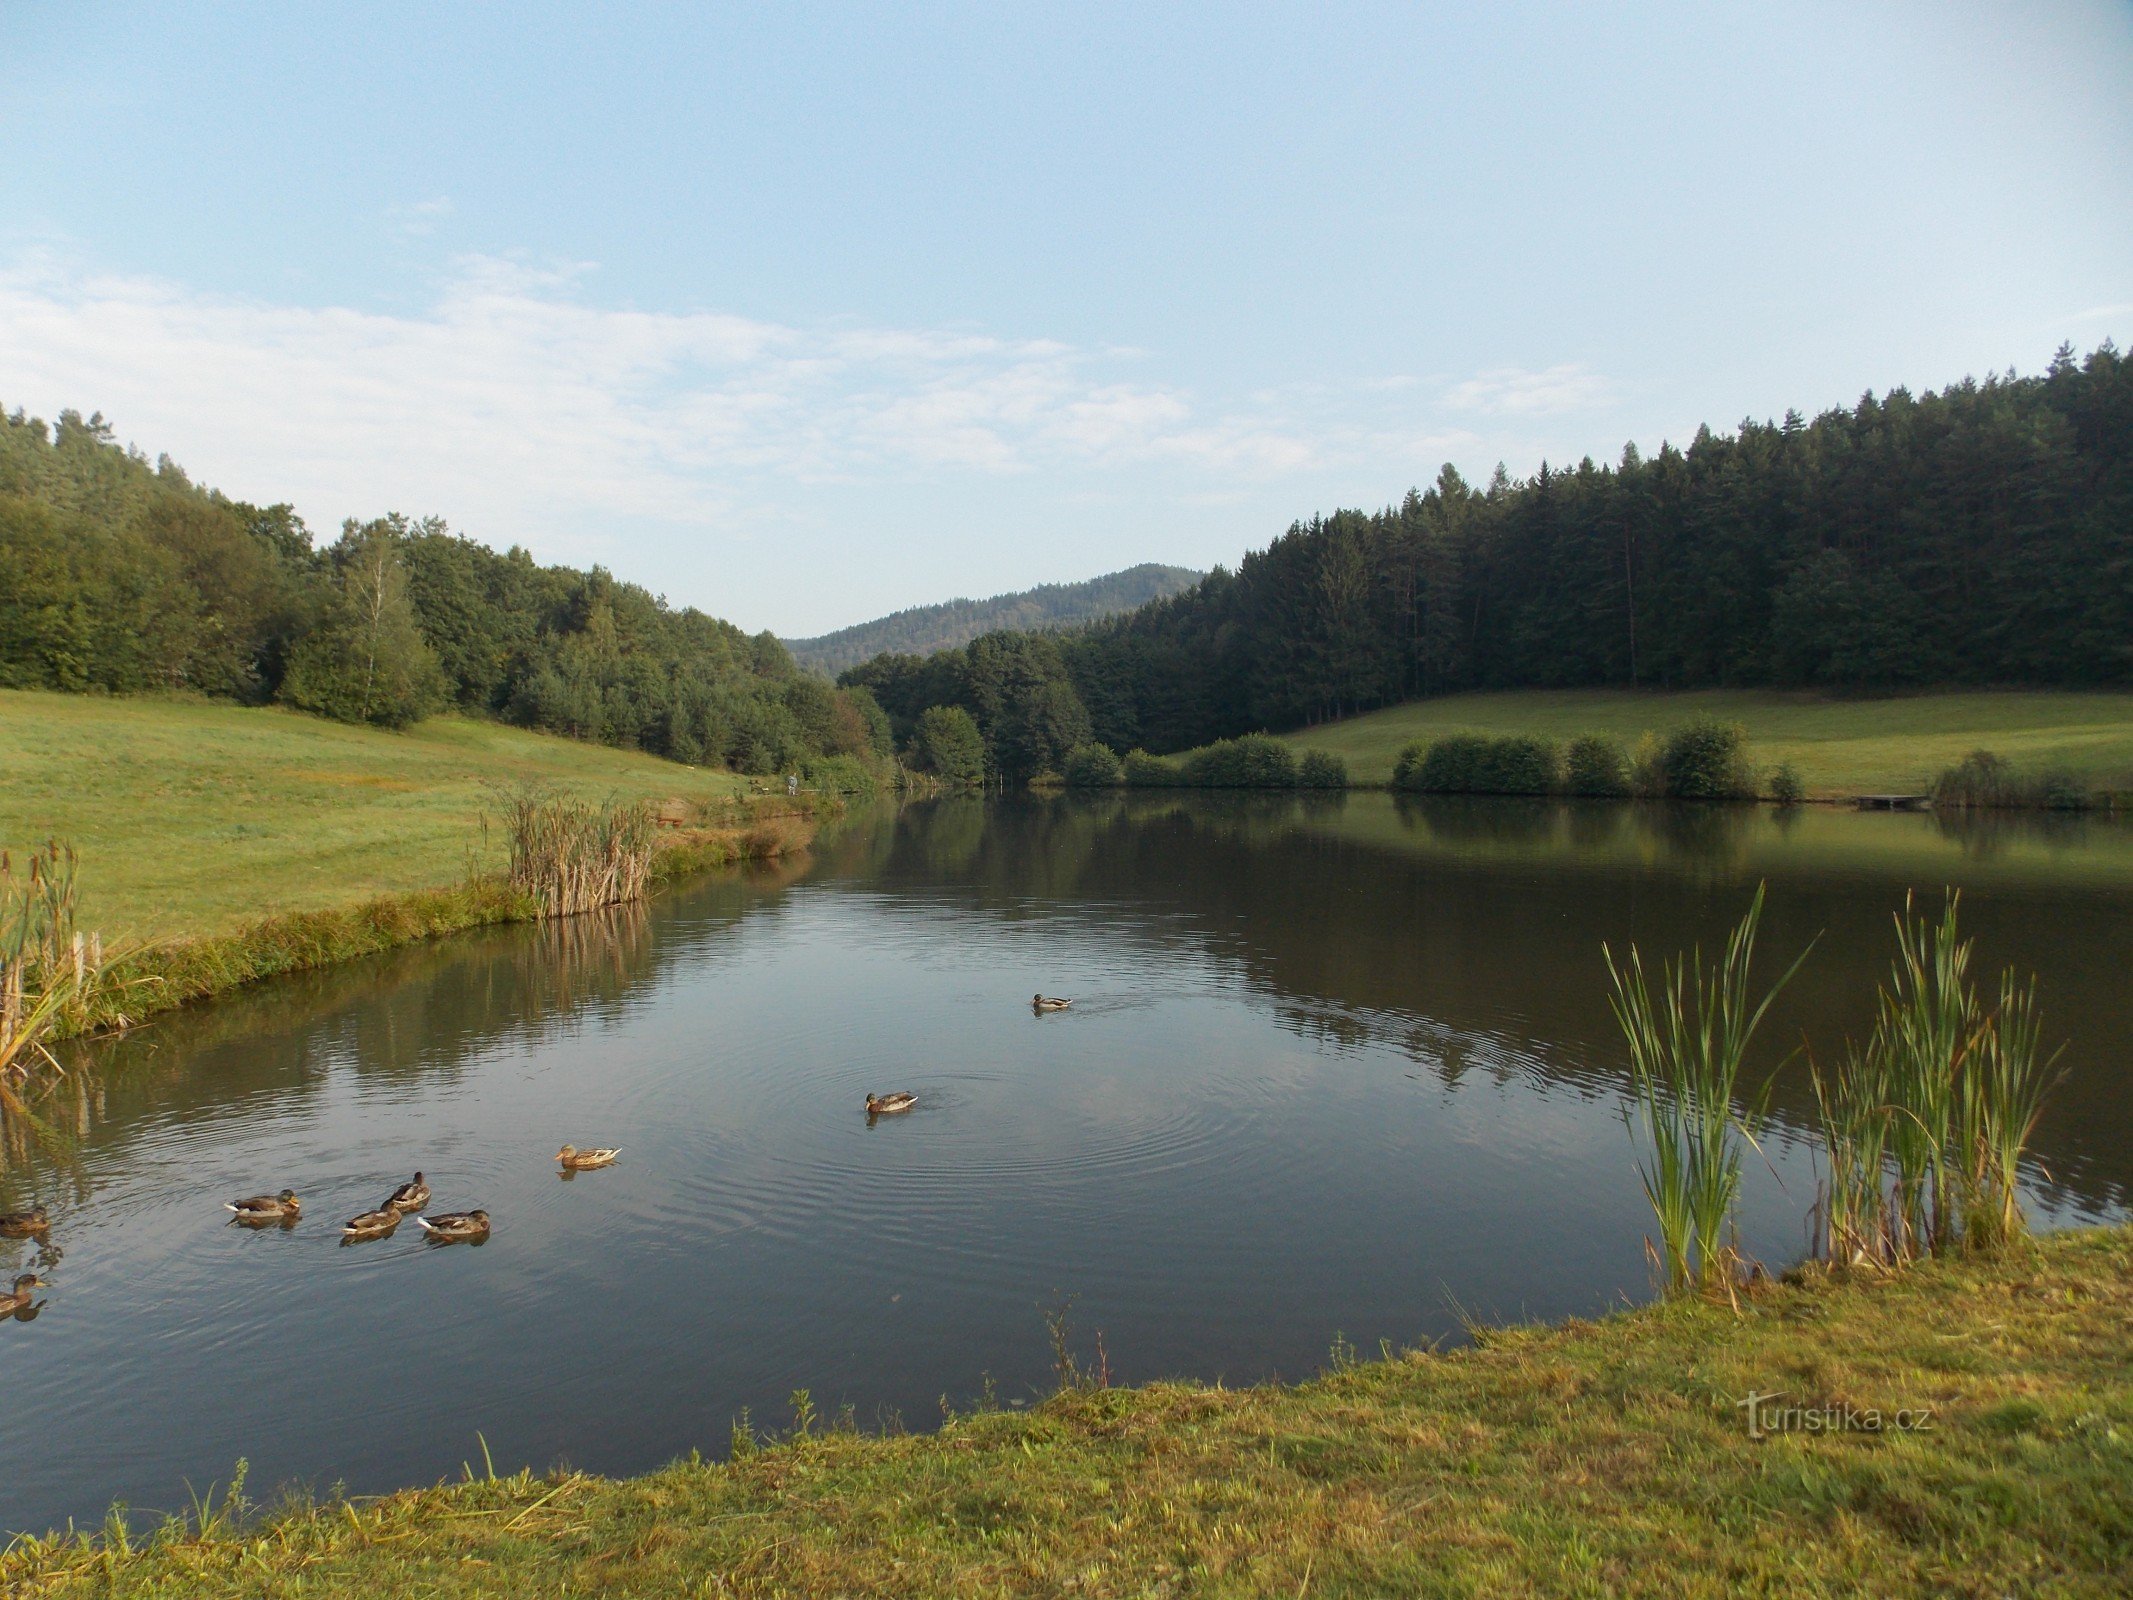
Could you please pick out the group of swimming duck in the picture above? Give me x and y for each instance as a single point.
(30, 1224)
(411, 1199)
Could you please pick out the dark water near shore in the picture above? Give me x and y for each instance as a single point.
(1335, 1067)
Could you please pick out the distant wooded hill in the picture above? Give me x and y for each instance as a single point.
(1978, 536)
(924, 629)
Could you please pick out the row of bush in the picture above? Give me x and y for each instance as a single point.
(1982, 781)
(1255, 761)
(1702, 760)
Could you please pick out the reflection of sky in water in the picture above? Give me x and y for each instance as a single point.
(1328, 1071)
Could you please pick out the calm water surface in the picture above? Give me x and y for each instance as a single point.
(1334, 1067)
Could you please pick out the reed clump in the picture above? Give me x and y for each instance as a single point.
(1926, 1125)
(51, 972)
(572, 855)
(1688, 1030)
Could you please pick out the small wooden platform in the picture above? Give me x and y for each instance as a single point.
(1895, 802)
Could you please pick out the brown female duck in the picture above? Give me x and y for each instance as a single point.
(576, 1160)
(260, 1208)
(410, 1196)
(371, 1225)
(451, 1227)
(22, 1224)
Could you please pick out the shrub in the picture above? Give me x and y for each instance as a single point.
(1979, 779)
(1407, 771)
(1521, 765)
(1144, 771)
(1595, 766)
(1707, 760)
(1092, 766)
(2061, 791)
(1785, 786)
(1647, 780)
(1452, 765)
(840, 775)
(1468, 763)
(1252, 762)
(1321, 769)
(1983, 781)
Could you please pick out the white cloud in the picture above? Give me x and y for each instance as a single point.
(517, 409)
(419, 219)
(1517, 392)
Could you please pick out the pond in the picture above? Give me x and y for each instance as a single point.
(1338, 1068)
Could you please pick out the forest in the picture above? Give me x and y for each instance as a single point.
(123, 577)
(1981, 535)
(1977, 536)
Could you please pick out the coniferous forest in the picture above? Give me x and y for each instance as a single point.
(121, 577)
(1982, 535)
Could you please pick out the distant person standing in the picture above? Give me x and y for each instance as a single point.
(792, 783)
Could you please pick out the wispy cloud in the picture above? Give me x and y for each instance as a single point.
(514, 403)
(1514, 391)
(419, 219)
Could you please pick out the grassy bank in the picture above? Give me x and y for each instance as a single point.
(179, 971)
(1838, 746)
(1586, 1459)
(198, 819)
(224, 844)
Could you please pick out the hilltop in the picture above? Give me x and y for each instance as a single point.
(921, 630)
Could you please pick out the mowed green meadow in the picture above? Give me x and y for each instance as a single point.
(1840, 746)
(197, 818)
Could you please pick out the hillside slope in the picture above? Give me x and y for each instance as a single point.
(195, 818)
(921, 630)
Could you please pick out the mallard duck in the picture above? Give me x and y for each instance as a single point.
(453, 1226)
(21, 1224)
(887, 1105)
(410, 1196)
(1048, 1002)
(577, 1160)
(19, 1298)
(283, 1207)
(371, 1224)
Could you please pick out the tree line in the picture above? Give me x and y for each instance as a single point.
(121, 577)
(1981, 535)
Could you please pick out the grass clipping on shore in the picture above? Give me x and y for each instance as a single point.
(1976, 1439)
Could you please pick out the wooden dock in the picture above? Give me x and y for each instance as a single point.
(1895, 802)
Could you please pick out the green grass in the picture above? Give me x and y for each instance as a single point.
(195, 819)
(1840, 747)
(1588, 1459)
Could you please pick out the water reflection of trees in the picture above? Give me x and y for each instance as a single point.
(1442, 953)
(419, 1011)
(1985, 835)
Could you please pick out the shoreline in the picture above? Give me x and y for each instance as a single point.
(169, 974)
(1968, 1421)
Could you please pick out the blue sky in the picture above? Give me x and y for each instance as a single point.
(806, 316)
